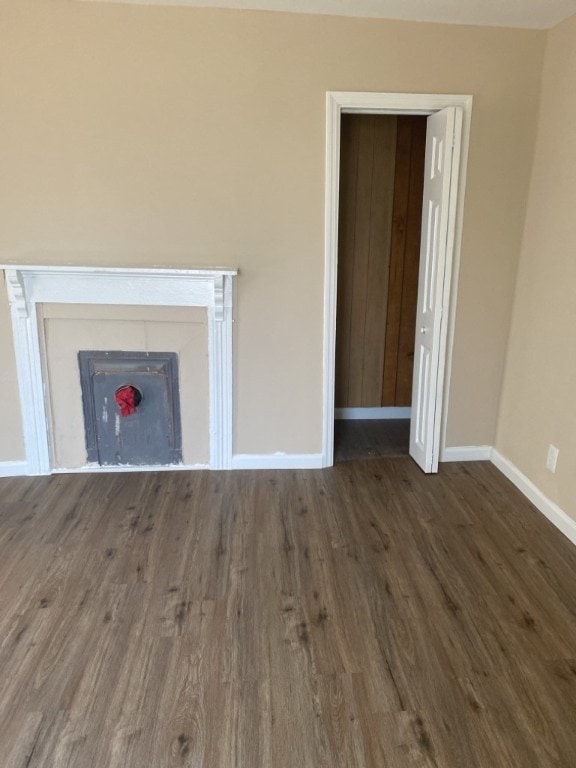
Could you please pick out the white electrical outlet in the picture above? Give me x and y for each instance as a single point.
(552, 458)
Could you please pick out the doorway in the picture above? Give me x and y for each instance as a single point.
(379, 224)
(448, 121)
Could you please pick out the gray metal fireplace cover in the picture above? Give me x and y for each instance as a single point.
(150, 436)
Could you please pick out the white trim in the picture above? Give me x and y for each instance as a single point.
(467, 453)
(556, 515)
(277, 461)
(13, 468)
(449, 295)
(372, 413)
(452, 274)
(128, 468)
(384, 103)
(30, 285)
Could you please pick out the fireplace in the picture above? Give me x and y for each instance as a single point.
(31, 288)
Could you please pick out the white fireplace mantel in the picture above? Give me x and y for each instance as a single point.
(29, 286)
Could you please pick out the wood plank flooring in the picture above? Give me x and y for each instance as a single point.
(370, 438)
(365, 616)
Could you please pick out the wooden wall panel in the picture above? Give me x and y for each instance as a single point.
(405, 363)
(361, 257)
(381, 180)
(382, 199)
(350, 136)
(404, 261)
(397, 249)
(366, 200)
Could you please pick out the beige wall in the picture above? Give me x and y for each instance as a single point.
(538, 401)
(69, 328)
(137, 135)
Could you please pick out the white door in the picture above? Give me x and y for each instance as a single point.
(435, 253)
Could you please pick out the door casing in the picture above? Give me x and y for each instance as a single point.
(337, 103)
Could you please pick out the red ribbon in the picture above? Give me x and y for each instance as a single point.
(128, 398)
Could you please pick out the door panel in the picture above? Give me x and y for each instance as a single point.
(424, 428)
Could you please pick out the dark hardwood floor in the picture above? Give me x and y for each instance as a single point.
(362, 616)
(370, 438)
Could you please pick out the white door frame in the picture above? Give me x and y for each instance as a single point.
(338, 103)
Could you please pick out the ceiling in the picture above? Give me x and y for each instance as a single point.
(535, 14)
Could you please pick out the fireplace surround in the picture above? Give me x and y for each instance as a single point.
(29, 286)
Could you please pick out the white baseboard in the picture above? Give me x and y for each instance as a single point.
(549, 508)
(97, 469)
(277, 461)
(372, 413)
(467, 453)
(13, 468)
(239, 461)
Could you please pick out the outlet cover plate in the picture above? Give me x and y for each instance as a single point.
(552, 458)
